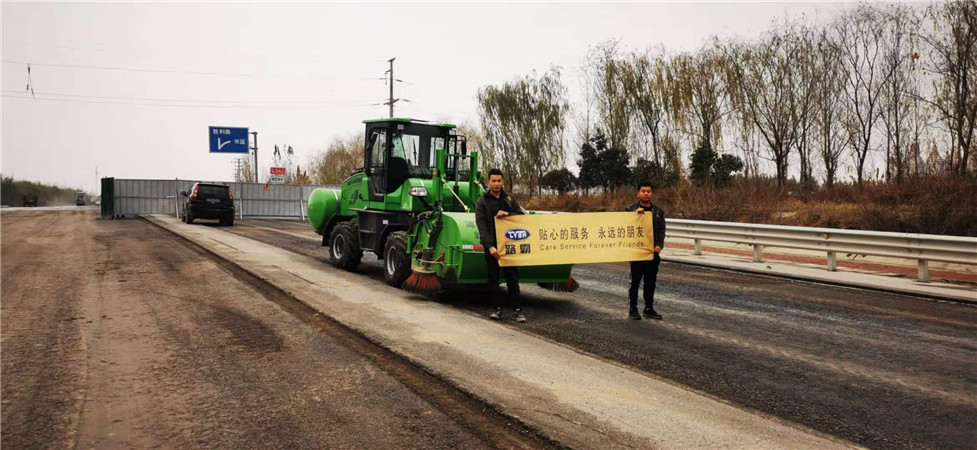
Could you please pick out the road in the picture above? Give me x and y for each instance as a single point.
(118, 334)
(883, 370)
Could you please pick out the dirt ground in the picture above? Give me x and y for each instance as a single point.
(118, 334)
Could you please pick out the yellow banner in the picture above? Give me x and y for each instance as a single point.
(577, 238)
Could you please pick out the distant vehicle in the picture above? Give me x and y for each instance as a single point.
(209, 201)
(79, 199)
(98, 201)
(30, 200)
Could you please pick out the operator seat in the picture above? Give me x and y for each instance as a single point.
(397, 173)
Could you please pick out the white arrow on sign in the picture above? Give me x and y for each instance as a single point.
(219, 145)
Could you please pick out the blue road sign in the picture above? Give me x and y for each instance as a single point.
(228, 140)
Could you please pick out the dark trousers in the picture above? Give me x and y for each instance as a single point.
(511, 282)
(647, 270)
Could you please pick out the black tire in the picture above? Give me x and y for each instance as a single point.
(230, 222)
(344, 248)
(396, 261)
(189, 219)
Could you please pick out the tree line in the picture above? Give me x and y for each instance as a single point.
(802, 101)
(12, 193)
(889, 87)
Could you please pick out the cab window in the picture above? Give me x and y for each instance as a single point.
(378, 143)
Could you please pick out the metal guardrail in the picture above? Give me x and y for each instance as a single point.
(921, 247)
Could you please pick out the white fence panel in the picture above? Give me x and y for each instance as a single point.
(255, 200)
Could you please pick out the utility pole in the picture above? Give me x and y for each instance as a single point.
(238, 166)
(255, 148)
(392, 99)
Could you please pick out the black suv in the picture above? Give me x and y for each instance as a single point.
(209, 201)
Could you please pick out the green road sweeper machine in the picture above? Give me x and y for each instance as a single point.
(412, 204)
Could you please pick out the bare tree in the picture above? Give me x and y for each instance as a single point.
(524, 122)
(698, 99)
(953, 47)
(477, 142)
(646, 87)
(829, 96)
(763, 84)
(333, 165)
(499, 128)
(900, 26)
(605, 72)
(860, 33)
(246, 171)
(806, 77)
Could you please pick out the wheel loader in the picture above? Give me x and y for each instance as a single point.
(412, 204)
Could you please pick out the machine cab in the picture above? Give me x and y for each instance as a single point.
(398, 149)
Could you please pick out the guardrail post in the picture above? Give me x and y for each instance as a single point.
(924, 271)
(698, 246)
(302, 209)
(757, 256)
(832, 261)
(241, 215)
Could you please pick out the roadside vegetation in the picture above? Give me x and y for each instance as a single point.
(12, 193)
(936, 205)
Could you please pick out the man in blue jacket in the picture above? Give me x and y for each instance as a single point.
(647, 270)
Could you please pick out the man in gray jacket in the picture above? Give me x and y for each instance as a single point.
(496, 203)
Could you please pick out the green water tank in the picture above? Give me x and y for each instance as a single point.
(323, 204)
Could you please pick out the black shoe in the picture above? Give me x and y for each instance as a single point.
(651, 313)
(633, 314)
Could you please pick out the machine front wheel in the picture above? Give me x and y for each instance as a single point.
(396, 261)
(344, 250)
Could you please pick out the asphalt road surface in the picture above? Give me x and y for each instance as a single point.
(883, 370)
(119, 334)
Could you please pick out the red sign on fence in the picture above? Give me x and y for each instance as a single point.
(278, 171)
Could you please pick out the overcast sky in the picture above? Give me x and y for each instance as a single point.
(131, 88)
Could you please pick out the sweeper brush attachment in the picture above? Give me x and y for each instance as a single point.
(570, 285)
(422, 283)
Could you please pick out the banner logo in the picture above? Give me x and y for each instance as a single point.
(516, 234)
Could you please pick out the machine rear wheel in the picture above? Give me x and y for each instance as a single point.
(344, 248)
(396, 261)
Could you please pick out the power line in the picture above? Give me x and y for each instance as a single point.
(129, 69)
(176, 100)
(172, 71)
(172, 105)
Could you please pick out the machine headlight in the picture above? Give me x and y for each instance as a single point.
(418, 191)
